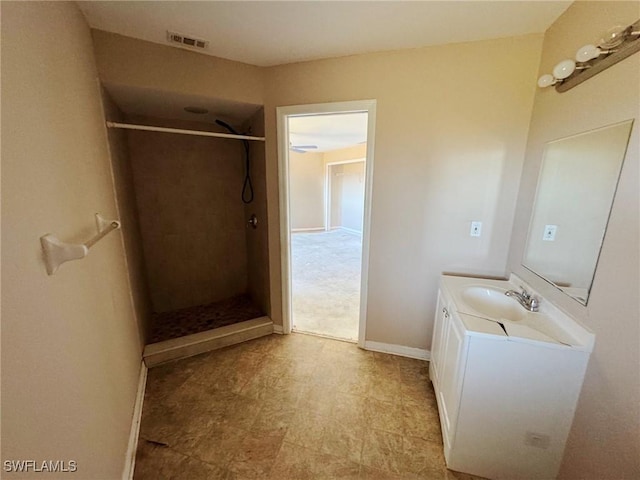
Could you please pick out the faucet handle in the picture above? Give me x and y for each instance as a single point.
(524, 293)
(534, 304)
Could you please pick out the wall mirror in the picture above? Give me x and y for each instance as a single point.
(576, 187)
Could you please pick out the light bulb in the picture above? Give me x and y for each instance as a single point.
(613, 37)
(546, 81)
(564, 69)
(588, 52)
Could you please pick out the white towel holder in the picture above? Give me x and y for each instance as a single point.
(57, 252)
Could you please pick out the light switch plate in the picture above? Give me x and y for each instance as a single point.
(476, 229)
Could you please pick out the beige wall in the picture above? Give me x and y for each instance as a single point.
(352, 196)
(258, 239)
(188, 192)
(145, 65)
(129, 220)
(354, 216)
(604, 441)
(306, 190)
(451, 130)
(70, 347)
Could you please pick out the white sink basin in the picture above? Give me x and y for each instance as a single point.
(493, 303)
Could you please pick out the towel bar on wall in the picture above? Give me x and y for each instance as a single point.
(57, 252)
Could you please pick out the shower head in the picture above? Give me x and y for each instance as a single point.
(227, 126)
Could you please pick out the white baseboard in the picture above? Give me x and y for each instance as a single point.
(311, 229)
(278, 329)
(400, 350)
(130, 460)
(352, 231)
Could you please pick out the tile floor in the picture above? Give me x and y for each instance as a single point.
(291, 407)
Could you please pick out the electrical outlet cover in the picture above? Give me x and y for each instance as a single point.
(549, 233)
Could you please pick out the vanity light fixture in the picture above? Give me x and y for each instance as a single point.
(616, 44)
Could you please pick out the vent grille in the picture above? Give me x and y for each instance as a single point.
(186, 40)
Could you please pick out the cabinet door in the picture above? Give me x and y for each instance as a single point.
(437, 341)
(450, 373)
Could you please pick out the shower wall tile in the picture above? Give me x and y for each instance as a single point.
(258, 239)
(191, 215)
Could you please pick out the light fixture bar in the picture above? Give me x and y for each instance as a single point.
(628, 47)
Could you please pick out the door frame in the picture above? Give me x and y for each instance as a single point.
(283, 113)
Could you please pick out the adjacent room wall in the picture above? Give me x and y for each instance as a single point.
(604, 440)
(352, 196)
(71, 352)
(451, 130)
(347, 212)
(192, 219)
(306, 184)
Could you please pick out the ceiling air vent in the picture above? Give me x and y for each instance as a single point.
(186, 40)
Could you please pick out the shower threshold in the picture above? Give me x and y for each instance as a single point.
(197, 343)
(200, 328)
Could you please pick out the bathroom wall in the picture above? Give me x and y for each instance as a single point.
(149, 66)
(451, 131)
(604, 441)
(71, 354)
(258, 239)
(192, 219)
(129, 220)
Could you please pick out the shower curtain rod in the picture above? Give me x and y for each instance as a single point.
(130, 126)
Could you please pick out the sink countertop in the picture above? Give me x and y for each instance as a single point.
(551, 327)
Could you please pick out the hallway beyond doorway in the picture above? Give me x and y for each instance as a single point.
(326, 290)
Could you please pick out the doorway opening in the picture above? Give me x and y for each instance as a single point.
(326, 166)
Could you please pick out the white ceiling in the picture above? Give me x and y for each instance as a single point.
(269, 33)
(266, 33)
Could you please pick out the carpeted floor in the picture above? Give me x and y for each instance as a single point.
(326, 283)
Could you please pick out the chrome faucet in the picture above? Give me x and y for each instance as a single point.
(525, 299)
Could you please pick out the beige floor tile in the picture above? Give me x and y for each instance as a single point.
(343, 440)
(368, 473)
(292, 407)
(295, 462)
(383, 451)
(154, 462)
(273, 420)
(422, 422)
(242, 412)
(306, 429)
(256, 456)
(385, 416)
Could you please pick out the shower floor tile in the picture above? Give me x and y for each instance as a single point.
(178, 323)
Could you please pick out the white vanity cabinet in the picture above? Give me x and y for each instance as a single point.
(506, 404)
(446, 362)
